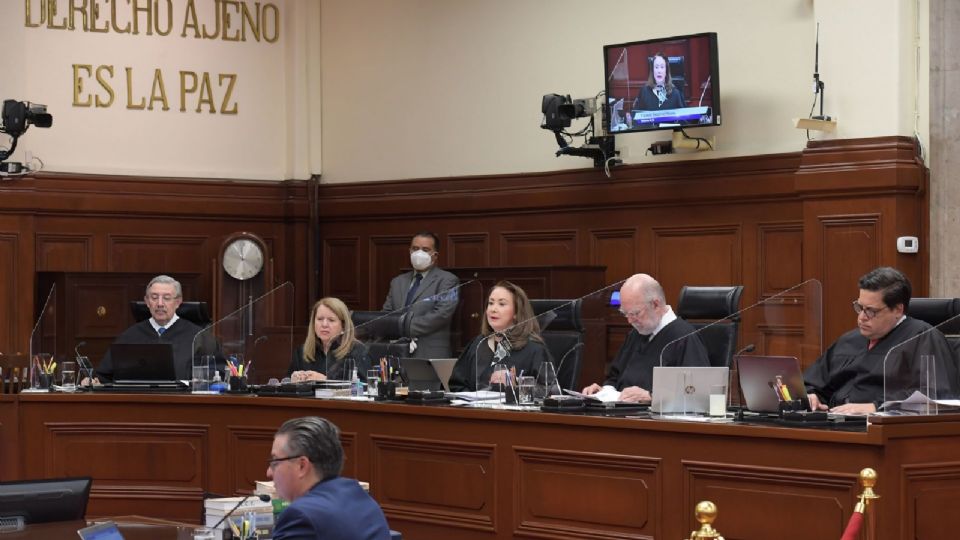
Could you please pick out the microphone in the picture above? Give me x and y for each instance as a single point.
(562, 360)
(263, 497)
(705, 86)
(84, 363)
(749, 348)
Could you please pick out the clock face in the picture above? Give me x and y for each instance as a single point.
(242, 259)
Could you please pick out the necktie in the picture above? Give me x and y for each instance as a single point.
(644, 341)
(161, 330)
(413, 289)
(872, 344)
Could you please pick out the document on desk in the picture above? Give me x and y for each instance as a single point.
(479, 395)
(918, 402)
(607, 394)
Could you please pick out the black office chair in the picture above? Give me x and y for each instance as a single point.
(702, 306)
(936, 312)
(562, 331)
(380, 331)
(195, 312)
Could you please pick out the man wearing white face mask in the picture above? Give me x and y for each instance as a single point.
(428, 296)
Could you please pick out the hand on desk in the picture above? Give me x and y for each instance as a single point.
(815, 404)
(855, 408)
(307, 375)
(499, 377)
(85, 382)
(634, 394)
(592, 389)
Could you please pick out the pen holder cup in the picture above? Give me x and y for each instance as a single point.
(793, 405)
(44, 380)
(238, 384)
(387, 390)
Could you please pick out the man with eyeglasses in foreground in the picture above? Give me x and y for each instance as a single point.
(305, 464)
(848, 378)
(163, 296)
(655, 328)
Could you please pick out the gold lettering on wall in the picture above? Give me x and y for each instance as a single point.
(197, 91)
(225, 20)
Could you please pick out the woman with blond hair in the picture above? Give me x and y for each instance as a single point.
(330, 344)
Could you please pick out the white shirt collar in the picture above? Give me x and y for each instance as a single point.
(156, 326)
(667, 318)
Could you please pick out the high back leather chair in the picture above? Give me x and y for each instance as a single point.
(195, 312)
(562, 331)
(703, 306)
(380, 332)
(936, 311)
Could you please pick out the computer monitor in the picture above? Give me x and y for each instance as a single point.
(42, 501)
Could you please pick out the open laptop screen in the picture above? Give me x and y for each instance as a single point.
(142, 362)
(685, 390)
(758, 376)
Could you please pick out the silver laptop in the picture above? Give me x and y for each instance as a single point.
(758, 375)
(685, 390)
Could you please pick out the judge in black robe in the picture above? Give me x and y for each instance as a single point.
(634, 363)
(849, 377)
(850, 372)
(180, 334)
(657, 332)
(475, 365)
(328, 364)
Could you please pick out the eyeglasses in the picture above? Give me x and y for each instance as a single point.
(634, 313)
(272, 463)
(870, 312)
(165, 297)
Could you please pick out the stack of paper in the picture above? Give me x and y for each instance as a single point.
(919, 403)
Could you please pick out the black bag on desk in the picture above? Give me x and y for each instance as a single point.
(563, 404)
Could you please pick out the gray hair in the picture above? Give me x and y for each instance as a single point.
(166, 280)
(318, 439)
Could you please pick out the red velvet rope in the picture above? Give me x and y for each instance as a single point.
(853, 527)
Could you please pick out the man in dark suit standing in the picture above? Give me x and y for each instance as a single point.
(428, 296)
(305, 464)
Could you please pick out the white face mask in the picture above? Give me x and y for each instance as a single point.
(420, 260)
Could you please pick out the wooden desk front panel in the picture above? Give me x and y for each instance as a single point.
(454, 473)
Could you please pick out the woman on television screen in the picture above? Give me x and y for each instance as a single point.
(659, 92)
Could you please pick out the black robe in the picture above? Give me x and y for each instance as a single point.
(477, 356)
(647, 100)
(181, 334)
(328, 363)
(634, 363)
(849, 373)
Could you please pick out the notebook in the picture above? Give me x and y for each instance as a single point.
(757, 377)
(428, 374)
(685, 390)
(143, 364)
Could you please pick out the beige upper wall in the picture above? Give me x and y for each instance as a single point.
(433, 88)
(426, 88)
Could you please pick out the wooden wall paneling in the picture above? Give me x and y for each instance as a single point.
(9, 436)
(389, 255)
(538, 248)
(64, 252)
(696, 255)
(616, 249)
(468, 249)
(11, 284)
(171, 252)
(343, 279)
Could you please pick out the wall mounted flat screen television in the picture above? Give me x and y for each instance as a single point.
(664, 83)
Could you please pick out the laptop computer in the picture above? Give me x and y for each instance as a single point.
(428, 374)
(143, 364)
(685, 390)
(758, 375)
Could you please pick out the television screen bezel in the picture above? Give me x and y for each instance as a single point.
(31, 499)
(713, 61)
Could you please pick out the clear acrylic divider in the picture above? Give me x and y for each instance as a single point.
(237, 341)
(386, 334)
(784, 323)
(43, 345)
(553, 359)
(920, 374)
